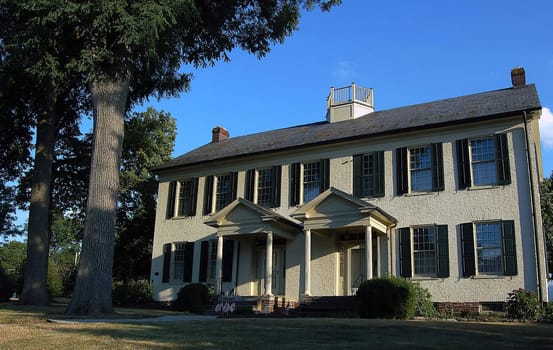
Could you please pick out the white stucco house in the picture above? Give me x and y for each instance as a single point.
(445, 193)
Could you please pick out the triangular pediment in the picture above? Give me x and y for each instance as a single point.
(244, 217)
(334, 208)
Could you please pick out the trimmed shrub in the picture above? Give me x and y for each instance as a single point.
(548, 311)
(386, 297)
(423, 302)
(523, 305)
(192, 297)
(131, 293)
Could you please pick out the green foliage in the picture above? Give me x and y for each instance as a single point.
(12, 261)
(547, 215)
(54, 281)
(548, 312)
(192, 297)
(132, 292)
(6, 287)
(423, 302)
(523, 305)
(386, 297)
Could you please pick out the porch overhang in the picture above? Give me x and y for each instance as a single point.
(335, 209)
(242, 217)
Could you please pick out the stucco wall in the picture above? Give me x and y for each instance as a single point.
(449, 207)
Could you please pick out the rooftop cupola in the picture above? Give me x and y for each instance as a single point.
(349, 102)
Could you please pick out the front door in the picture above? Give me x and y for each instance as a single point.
(358, 266)
(279, 271)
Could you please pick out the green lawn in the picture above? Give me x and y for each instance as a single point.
(25, 327)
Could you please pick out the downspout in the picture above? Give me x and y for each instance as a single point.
(533, 206)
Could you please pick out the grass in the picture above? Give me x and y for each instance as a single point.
(26, 327)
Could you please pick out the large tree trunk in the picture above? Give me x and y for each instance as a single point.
(92, 294)
(35, 290)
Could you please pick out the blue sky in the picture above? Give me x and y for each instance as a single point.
(408, 51)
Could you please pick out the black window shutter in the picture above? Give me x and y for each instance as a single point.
(502, 154)
(250, 184)
(194, 196)
(358, 176)
(233, 186)
(277, 179)
(166, 263)
(463, 163)
(437, 167)
(509, 248)
(171, 200)
(467, 246)
(188, 261)
(325, 175)
(405, 269)
(443, 251)
(208, 194)
(379, 174)
(228, 252)
(295, 183)
(204, 256)
(401, 171)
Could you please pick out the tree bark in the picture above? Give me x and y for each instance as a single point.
(92, 293)
(35, 289)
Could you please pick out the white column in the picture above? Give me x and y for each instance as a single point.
(307, 276)
(369, 251)
(219, 266)
(378, 257)
(269, 265)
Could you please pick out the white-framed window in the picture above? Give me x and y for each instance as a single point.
(187, 197)
(311, 180)
(488, 248)
(424, 251)
(265, 185)
(178, 261)
(223, 191)
(219, 191)
(483, 161)
(420, 168)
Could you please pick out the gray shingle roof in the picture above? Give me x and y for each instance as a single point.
(481, 106)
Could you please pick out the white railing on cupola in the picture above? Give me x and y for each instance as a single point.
(349, 102)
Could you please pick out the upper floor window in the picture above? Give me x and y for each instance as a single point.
(368, 175)
(483, 161)
(424, 251)
(488, 248)
(182, 198)
(420, 168)
(308, 180)
(263, 186)
(219, 191)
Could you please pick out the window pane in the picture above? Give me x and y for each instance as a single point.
(185, 197)
(311, 180)
(483, 161)
(424, 250)
(178, 263)
(420, 166)
(488, 246)
(367, 182)
(222, 195)
(265, 187)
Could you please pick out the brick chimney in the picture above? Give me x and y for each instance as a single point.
(518, 77)
(219, 134)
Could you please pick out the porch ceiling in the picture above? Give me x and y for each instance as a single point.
(335, 209)
(242, 217)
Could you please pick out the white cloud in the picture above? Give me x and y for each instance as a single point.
(546, 128)
(344, 72)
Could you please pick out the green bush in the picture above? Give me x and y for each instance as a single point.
(54, 281)
(6, 287)
(386, 297)
(131, 293)
(523, 305)
(548, 311)
(423, 302)
(192, 297)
